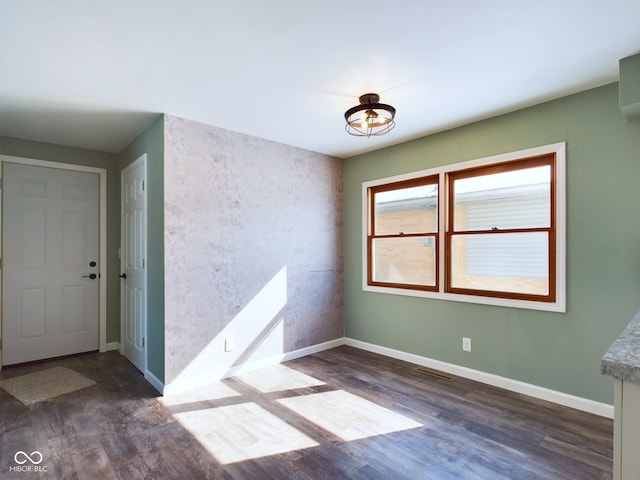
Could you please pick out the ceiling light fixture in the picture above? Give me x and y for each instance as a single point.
(370, 118)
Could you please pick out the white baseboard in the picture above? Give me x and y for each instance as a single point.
(154, 381)
(215, 375)
(108, 347)
(572, 401)
(579, 403)
(285, 357)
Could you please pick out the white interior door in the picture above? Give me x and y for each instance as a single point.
(51, 271)
(133, 255)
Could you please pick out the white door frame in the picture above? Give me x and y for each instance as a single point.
(102, 174)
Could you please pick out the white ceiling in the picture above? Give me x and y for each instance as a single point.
(93, 74)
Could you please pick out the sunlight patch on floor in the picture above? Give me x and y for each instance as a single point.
(278, 378)
(348, 416)
(241, 432)
(211, 391)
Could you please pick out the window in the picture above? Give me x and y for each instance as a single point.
(404, 234)
(485, 231)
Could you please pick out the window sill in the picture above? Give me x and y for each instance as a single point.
(559, 306)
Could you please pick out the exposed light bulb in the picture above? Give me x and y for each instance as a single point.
(363, 121)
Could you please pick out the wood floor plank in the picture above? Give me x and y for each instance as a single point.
(93, 463)
(458, 429)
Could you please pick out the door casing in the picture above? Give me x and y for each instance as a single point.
(102, 174)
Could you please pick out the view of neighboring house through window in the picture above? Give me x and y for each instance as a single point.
(502, 231)
(497, 237)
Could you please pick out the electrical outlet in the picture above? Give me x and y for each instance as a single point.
(228, 344)
(466, 344)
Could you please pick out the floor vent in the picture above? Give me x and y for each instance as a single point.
(434, 373)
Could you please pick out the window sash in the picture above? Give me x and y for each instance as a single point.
(400, 270)
(504, 167)
(501, 280)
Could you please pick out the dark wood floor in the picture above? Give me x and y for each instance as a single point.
(119, 429)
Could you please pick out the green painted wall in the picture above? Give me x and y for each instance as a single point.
(57, 153)
(151, 142)
(557, 351)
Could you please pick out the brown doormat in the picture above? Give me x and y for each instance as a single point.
(45, 385)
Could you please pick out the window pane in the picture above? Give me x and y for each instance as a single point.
(406, 210)
(506, 262)
(404, 260)
(514, 199)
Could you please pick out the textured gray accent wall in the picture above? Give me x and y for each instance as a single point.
(253, 250)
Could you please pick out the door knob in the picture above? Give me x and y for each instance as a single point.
(93, 276)
(124, 275)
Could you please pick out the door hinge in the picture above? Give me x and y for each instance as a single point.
(143, 263)
(143, 185)
(142, 342)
